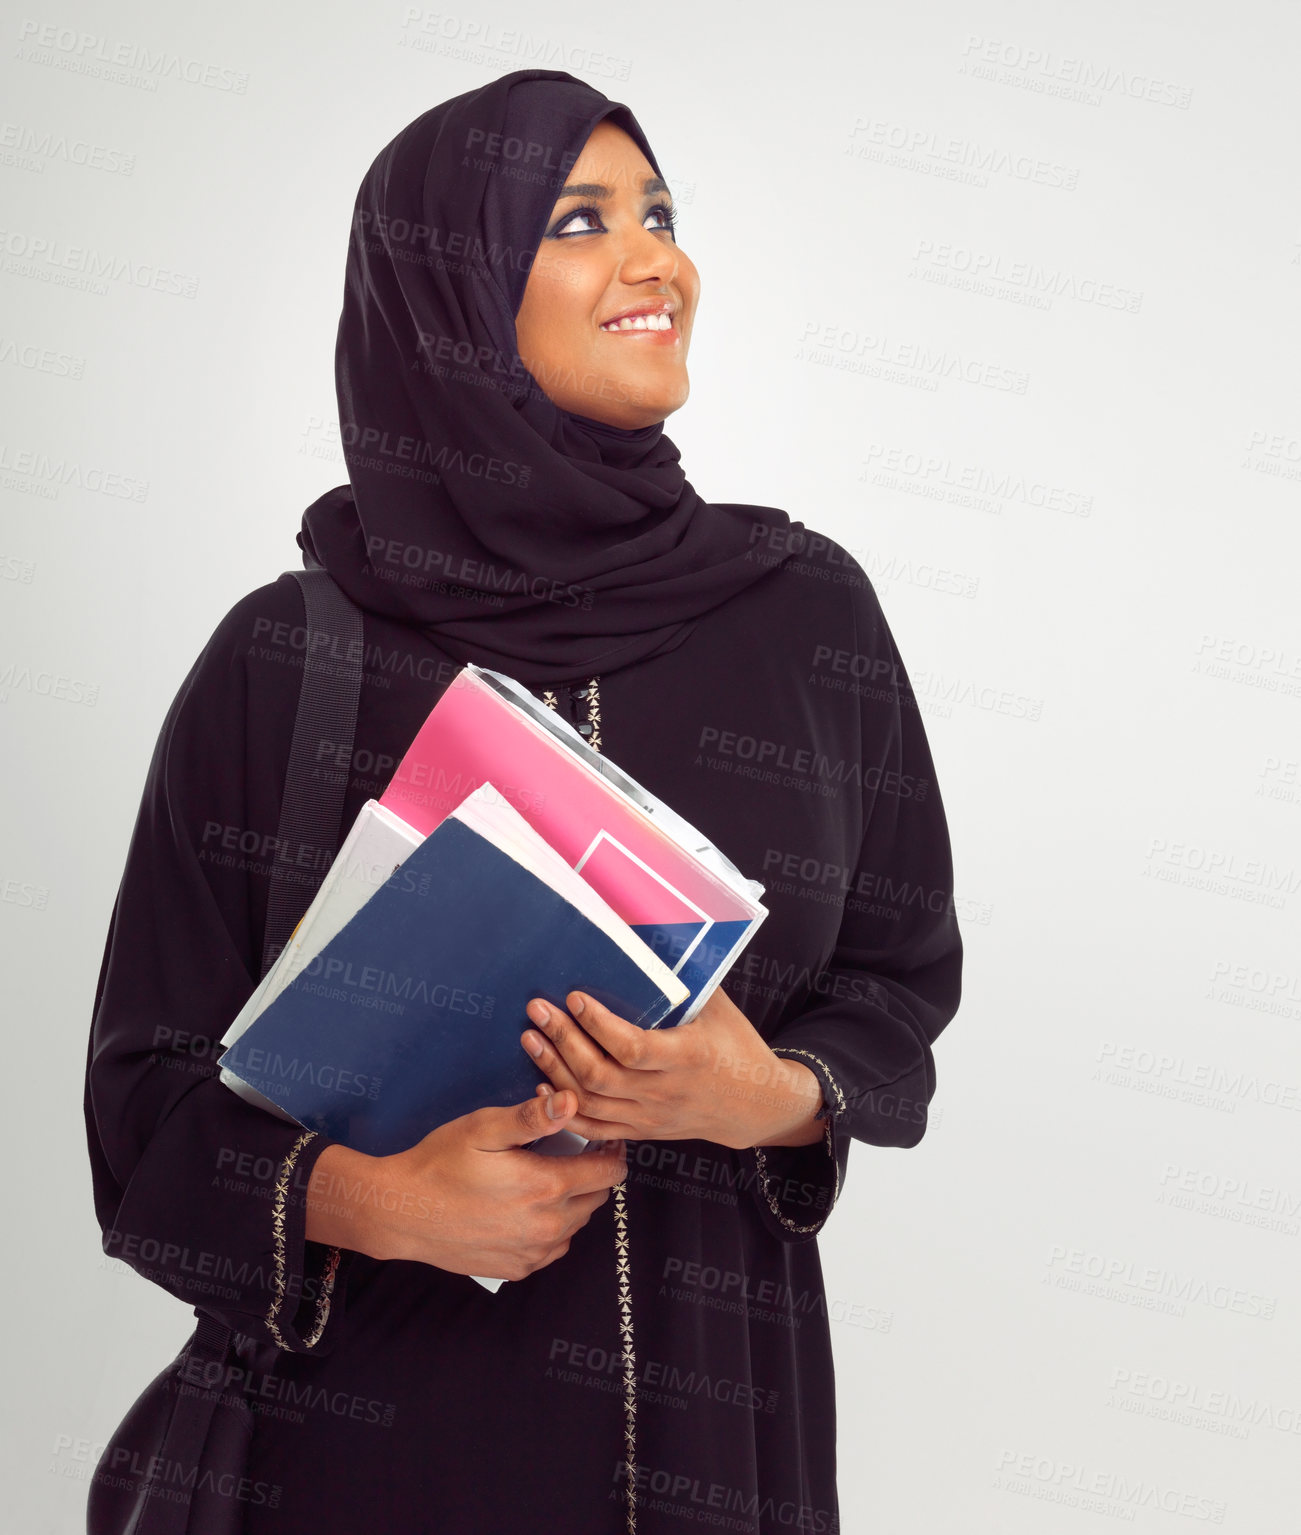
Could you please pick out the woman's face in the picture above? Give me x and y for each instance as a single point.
(609, 249)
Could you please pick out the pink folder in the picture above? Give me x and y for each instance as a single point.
(687, 901)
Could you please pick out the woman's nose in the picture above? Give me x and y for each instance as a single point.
(647, 254)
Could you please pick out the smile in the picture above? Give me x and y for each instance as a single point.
(641, 322)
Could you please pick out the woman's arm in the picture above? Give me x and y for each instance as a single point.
(858, 1047)
(221, 1203)
(894, 980)
(468, 1197)
(194, 1188)
(713, 1079)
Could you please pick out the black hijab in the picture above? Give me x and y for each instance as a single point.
(521, 536)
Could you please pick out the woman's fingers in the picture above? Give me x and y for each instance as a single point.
(581, 1053)
(598, 1129)
(581, 1208)
(632, 1047)
(588, 1064)
(592, 1105)
(550, 1060)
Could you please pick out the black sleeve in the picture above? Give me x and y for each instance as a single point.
(194, 1188)
(894, 980)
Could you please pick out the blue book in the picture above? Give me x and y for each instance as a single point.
(411, 1014)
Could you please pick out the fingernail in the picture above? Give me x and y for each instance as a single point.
(538, 1012)
(546, 1088)
(553, 1109)
(578, 1004)
(533, 1044)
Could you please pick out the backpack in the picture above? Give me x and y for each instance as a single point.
(171, 1440)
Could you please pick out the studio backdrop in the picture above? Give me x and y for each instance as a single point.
(1002, 299)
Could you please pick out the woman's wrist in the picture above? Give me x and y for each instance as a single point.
(342, 1198)
(788, 1108)
(804, 1133)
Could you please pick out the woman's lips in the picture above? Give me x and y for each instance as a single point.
(667, 337)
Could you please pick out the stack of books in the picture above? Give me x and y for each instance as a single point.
(506, 860)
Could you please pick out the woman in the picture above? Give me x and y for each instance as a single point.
(660, 1357)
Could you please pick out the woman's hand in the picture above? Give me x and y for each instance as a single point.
(468, 1197)
(712, 1079)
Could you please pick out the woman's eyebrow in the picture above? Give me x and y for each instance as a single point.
(599, 191)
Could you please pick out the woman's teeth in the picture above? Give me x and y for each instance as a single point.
(641, 322)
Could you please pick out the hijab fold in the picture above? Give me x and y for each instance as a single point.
(521, 536)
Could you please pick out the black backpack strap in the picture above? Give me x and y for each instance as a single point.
(199, 1381)
(312, 808)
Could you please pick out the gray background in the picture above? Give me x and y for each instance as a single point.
(1004, 298)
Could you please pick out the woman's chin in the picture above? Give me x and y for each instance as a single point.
(643, 403)
(628, 406)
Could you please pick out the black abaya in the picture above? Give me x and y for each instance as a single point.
(783, 727)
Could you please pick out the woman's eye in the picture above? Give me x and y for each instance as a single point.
(666, 216)
(578, 213)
